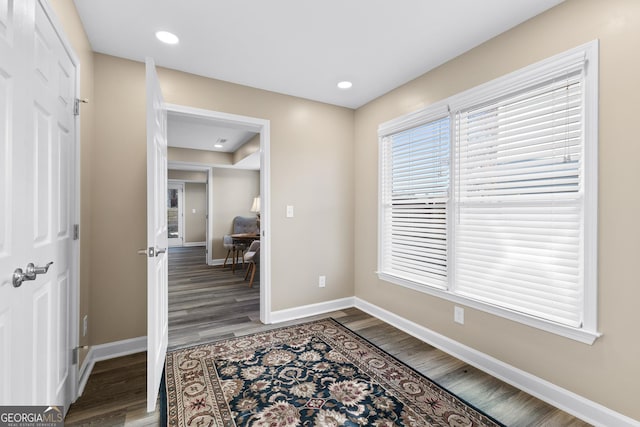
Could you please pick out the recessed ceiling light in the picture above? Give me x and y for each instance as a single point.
(218, 145)
(345, 85)
(167, 37)
(220, 142)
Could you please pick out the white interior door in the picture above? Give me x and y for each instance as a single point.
(157, 272)
(37, 173)
(175, 213)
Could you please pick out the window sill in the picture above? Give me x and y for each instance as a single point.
(578, 334)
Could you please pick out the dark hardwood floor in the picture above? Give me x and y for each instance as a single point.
(210, 303)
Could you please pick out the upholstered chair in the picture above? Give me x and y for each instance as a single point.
(252, 257)
(240, 225)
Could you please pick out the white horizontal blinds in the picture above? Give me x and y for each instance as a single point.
(519, 238)
(415, 198)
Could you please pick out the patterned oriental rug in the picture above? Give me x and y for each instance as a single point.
(314, 374)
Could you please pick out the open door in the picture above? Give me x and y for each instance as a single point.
(37, 201)
(156, 251)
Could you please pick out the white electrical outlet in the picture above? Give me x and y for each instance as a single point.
(322, 281)
(458, 315)
(85, 324)
(289, 211)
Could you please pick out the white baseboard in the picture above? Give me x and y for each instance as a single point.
(311, 310)
(220, 261)
(106, 351)
(585, 409)
(559, 397)
(85, 370)
(189, 244)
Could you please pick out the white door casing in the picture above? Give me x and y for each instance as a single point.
(38, 82)
(263, 127)
(157, 265)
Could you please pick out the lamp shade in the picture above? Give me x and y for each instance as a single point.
(256, 204)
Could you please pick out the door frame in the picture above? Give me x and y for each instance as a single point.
(263, 127)
(73, 328)
(178, 184)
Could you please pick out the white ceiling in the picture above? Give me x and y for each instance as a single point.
(200, 133)
(303, 47)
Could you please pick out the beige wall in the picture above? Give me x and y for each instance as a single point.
(202, 157)
(308, 140)
(186, 175)
(311, 168)
(70, 21)
(195, 197)
(118, 203)
(232, 192)
(608, 371)
(324, 162)
(247, 149)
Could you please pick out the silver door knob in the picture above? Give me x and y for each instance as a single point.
(31, 272)
(151, 252)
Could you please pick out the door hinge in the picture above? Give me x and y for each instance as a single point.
(76, 105)
(76, 231)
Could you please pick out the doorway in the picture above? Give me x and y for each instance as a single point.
(175, 213)
(210, 159)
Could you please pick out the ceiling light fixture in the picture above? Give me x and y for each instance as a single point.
(345, 85)
(167, 37)
(220, 142)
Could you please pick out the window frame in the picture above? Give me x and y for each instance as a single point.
(587, 56)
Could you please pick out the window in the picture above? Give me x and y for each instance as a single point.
(489, 197)
(415, 206)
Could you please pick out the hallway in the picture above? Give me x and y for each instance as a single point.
(208, 303)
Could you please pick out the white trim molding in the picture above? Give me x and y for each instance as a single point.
(85, 372)
(311, 310)
(107, 351)
(189, 244)
(263, 127)
(559, 397)
(575, 317)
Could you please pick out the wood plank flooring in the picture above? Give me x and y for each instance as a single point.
(210, 303)
(115, 395)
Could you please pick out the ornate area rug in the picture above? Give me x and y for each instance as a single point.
(314, 374)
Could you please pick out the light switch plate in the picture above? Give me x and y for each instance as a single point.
(289, 211)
